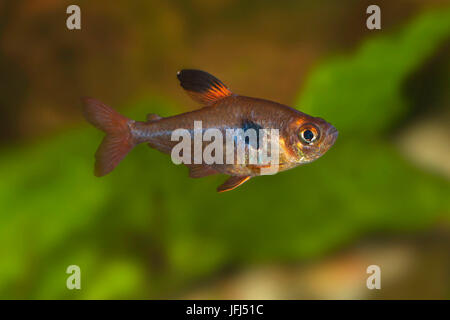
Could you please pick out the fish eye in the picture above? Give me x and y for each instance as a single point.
(309, 133)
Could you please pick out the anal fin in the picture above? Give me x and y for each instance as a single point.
(232, 183)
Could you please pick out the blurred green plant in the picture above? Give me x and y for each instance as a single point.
(148, 231)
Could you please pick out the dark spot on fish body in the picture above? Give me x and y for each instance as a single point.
(248, 124)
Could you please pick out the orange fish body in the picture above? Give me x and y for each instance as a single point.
(301, 138)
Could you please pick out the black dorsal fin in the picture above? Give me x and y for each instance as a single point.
(202, 86)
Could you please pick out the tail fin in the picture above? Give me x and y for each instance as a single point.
(118, 140)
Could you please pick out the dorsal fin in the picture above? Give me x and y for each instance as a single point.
(202, 86)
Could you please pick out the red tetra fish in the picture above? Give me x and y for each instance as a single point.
(301, 138)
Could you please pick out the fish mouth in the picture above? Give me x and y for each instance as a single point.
(330, 139)
(332, 135)
(332, 131)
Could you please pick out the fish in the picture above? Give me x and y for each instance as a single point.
(301, 138)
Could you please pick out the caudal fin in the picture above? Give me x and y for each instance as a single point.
(118, 140)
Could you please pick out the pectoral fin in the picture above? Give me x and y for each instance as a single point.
(232, 183)
(200, 170)
(153, 117)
